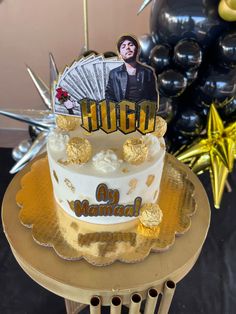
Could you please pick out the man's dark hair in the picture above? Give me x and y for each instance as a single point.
(127, 37)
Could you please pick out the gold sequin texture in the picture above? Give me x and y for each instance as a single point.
(67, 123)
(161, 127)
(135, 151)
(151, 215)
(69, 185)
(105, 248)
(78, 150)
(74, 226)
(132, 183)
(55, 176)
(150, 180)
(106, 237)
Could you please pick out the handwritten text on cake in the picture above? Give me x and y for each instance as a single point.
(109, 207)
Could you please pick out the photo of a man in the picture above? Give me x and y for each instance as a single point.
(131, 81)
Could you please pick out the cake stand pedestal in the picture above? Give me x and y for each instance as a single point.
(82, 284)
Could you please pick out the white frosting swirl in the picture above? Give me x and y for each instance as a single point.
(57, 141)
(106, 161)
(153, 144)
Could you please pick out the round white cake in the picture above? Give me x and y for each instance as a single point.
(106, 165)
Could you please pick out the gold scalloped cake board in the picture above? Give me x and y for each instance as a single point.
(40, 212)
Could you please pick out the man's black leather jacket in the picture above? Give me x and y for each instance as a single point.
(118, 79)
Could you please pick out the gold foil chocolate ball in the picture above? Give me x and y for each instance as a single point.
(161, 127)
(67, 123)
(151, 215)
(78, 150)
(152, 232)
(135, 151)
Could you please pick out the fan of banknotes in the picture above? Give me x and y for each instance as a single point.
(85, 78)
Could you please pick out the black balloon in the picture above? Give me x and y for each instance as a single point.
(160, 57)
(109, 54)
(191, 75)
(217, 84)
(173, 20)
(227, 50)
(167, 108)
(189, 123)
(187, 54)
(146, 44)
(192, 28)
(228, 112)
(200, 106)
(176, 140)
(171, 83)
(180, 139)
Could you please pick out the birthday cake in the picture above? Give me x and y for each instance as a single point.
(105, 182)
(106, 155)
(84, 165)
(101, 188)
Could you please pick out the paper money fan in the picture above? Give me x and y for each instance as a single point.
(85, 78)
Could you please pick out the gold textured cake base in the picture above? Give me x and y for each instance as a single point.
(40, 212)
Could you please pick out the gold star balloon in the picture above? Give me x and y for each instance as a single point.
(215, 152)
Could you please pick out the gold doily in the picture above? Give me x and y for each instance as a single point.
(38, 211)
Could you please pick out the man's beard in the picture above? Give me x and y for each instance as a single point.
(131, 59)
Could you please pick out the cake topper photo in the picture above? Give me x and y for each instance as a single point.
(132, 80)
(117, 93)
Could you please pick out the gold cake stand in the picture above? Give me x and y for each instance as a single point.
(81, 283)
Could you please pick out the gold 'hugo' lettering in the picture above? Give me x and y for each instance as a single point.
(89, 115)
(126, 116)
(147, 117)
(108, 116)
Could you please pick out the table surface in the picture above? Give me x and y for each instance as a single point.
(204, 280)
